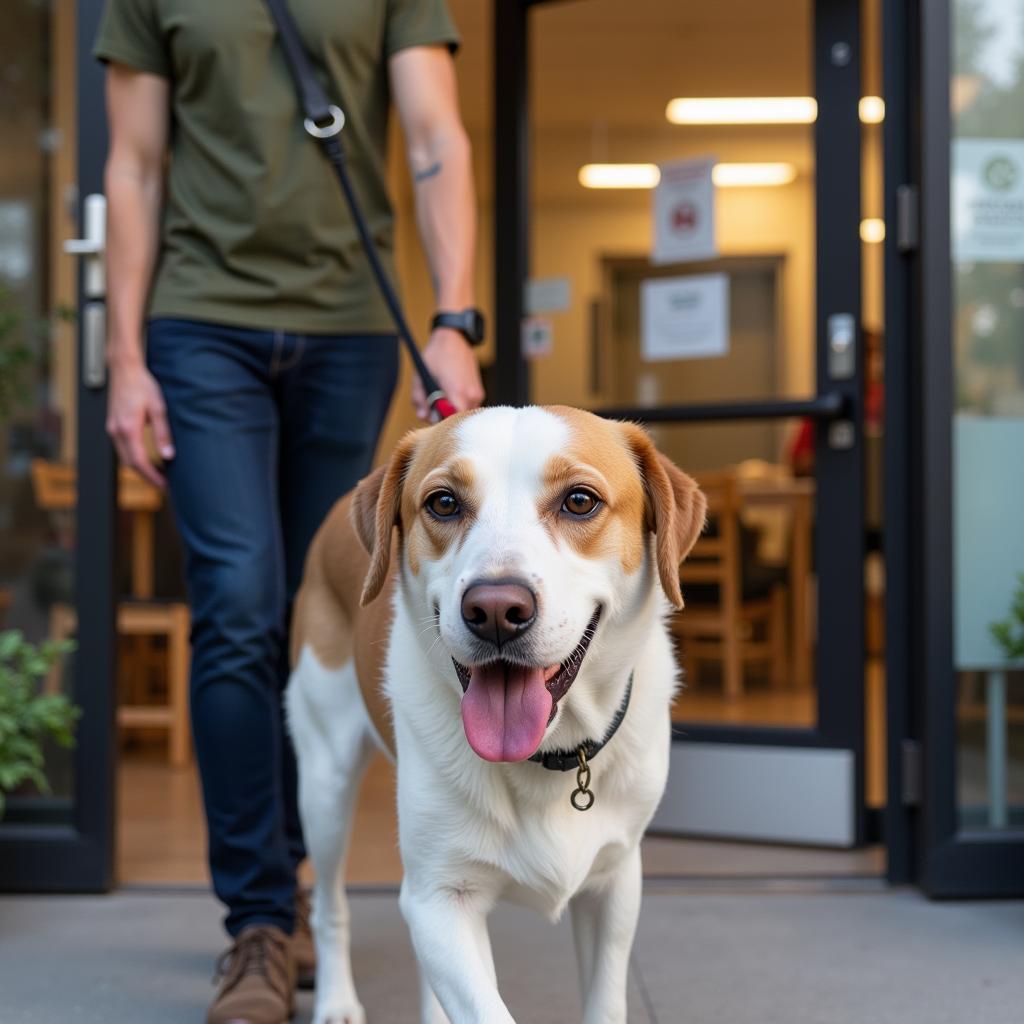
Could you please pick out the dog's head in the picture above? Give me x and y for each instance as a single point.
(526, 533)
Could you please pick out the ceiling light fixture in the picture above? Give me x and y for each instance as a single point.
(871, 109)
(752, 175)
(872, 229)
(742, 110)
(761, 110)
(619, 175)
(723, 175)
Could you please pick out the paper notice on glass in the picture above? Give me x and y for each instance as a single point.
(987, 215)
(684, 317)
(684, 212)
(537, 337)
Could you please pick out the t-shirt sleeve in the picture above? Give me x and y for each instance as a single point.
(130, 34)
(419, 23)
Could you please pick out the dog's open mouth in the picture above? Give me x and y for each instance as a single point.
(506, 707)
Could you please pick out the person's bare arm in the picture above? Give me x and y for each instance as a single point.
(426, 98)
(139, 114)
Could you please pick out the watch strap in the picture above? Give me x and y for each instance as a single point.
(468, 322)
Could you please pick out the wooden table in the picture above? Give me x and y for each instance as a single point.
(797, 495)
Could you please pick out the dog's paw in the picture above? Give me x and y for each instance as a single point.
(349, 1013)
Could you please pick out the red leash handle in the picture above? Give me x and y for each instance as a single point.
(440, 406)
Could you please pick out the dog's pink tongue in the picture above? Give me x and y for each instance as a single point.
(505, 711)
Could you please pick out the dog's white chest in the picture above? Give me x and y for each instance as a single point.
(546, 868)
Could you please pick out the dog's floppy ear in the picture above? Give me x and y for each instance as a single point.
(676, 509)
(376, 511)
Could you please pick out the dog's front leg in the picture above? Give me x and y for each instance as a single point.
(449, 934)
(604, 923)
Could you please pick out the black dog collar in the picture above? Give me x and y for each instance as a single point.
(568, 760)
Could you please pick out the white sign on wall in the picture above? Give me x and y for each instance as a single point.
(987, 201)
(548, 295)
(684, 317)
(684, 212)
(537, 336)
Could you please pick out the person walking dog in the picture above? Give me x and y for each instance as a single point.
(247, 333)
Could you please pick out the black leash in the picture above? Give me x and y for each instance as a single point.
(323, 122)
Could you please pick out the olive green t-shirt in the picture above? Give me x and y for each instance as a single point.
(255, 229)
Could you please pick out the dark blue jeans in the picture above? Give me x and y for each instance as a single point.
(269, 430)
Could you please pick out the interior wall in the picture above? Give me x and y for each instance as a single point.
(571, 238)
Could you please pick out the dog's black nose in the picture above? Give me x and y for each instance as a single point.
(498, 610)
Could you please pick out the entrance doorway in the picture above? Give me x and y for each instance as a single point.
(794, 711)
(772, 402)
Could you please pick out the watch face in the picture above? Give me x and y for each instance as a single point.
(470, 322)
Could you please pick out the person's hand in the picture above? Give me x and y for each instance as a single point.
(450, 358)
(133, 401)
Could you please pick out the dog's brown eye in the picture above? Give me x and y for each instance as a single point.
(443, 505)
(580, 503)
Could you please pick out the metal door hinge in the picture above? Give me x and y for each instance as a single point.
(908, 218)
(912, 779)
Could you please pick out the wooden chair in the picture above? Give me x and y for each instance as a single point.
(55, 487)
(720, 622)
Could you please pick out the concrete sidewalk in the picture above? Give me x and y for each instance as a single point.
(728, 953)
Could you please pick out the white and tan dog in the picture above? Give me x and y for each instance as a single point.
(510, 599)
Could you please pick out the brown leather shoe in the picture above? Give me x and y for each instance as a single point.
(303, 946)
(258, 979)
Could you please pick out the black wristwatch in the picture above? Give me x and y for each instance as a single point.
(468, 322)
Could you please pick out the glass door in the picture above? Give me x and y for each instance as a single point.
(56, 466)
(742, 351)
(971, 687)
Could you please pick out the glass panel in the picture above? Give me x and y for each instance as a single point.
(873, 321)
(604, 76)
(747, 635)
(37, 356)
(987, 213)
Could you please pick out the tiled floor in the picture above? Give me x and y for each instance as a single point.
(726, 952)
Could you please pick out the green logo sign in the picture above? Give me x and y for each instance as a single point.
(1000, 173)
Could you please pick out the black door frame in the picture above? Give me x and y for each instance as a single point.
(950, 861)
(80, 857)
(900, 63)
(839, 471)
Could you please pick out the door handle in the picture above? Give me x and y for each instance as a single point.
(831, 405)
(92, 245)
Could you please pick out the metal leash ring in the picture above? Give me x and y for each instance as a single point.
(582, 792)
(337, 122)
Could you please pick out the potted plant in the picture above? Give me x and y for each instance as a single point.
(28, 717)
(1008, 633)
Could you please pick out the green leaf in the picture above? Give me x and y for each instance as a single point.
(27, 716)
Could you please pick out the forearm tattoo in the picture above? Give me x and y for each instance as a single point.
(428, 172)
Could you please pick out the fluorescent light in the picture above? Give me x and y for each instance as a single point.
(743, 110)
(752, 175)
(872, 229)
(648, 175)
(761, 110)
(619, 175)
(871, 109)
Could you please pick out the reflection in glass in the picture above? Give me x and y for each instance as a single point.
(987, 220)
(37, 360)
